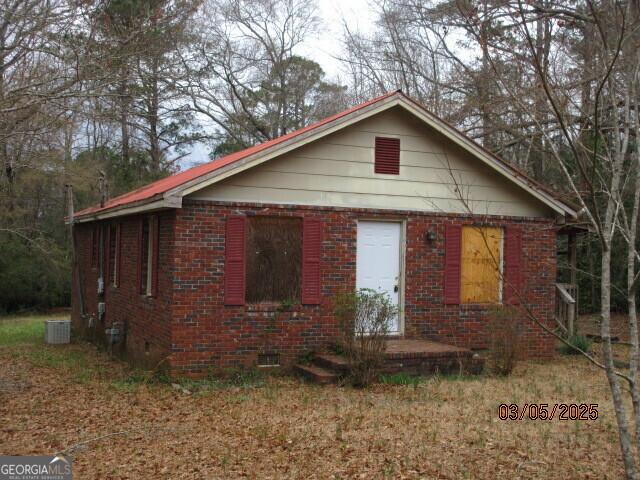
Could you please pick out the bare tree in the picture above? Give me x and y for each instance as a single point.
(40, 43)
(593, 151)
(443, 53)
(245, 76)
(142, 40)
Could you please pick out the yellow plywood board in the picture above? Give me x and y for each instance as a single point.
(480, 264)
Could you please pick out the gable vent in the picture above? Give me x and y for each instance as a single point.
(387, 156)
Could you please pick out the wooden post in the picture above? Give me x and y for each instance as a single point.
(573, 257)
(570, 320)
(573, 264)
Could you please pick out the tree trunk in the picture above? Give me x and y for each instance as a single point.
(628, 455)
(153, 116)
(124, 117)
(634, 355)
(7, 163)
(592, 275)
(154, 139)
(485, 82)
(541, 52)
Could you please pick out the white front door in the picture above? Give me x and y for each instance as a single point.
(378, 261)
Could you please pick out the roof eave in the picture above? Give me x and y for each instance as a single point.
(157, 202)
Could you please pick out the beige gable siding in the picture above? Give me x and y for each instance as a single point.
(338, 170)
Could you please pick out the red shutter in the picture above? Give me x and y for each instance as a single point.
(234, 273)
(107, 255)
(91, 247)
(94, 246)
(117, 264)
(155, 254)
(387, 155)
(311, 251)
(453, 246)
(140, 252)
(512, 265)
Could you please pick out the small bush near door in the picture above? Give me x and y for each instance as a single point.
(364, 318)
(504, 330)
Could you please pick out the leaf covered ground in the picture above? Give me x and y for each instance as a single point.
(120, 423)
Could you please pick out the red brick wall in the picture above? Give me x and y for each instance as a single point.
(147, 319)
(188, 318)
(207, 334)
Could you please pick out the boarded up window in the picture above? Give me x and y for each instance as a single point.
(274, 258)
(481, 264)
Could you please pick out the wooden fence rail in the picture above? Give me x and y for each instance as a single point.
(566, 306)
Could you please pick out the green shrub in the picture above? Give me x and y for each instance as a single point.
(364, 318)
(576, 342)
(504, 339)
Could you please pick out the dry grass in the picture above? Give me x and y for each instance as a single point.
(282, 428)
(590, 325)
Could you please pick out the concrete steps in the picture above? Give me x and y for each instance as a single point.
(331, 361)
(414, 357)
(317, 374)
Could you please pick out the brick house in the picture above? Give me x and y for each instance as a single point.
(236, 262)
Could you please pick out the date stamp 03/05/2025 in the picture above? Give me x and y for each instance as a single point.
(545, 411)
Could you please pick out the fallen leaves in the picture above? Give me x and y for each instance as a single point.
(443, 428)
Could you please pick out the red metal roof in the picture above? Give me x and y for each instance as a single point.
(164, 185)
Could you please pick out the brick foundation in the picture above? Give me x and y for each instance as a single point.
(189, 320)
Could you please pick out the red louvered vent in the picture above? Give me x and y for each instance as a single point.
(311, 252)
(453, 245)
(234, 271)
(387, 156)
(512, 266)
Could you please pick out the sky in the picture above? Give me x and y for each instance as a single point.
(358, 15)
(325, 48)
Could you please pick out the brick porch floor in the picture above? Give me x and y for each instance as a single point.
(408, 348)
(411, 356)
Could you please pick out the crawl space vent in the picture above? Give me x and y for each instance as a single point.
(268, 359)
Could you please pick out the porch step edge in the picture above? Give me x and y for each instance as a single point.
(331, 361)
(316, 373)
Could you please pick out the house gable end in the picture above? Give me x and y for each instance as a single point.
(338, 170)
(169, 192)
